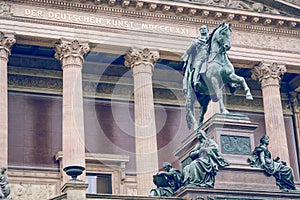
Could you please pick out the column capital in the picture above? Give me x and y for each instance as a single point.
(6, 42)
(268, 73)
(71, 49)
(137, 56)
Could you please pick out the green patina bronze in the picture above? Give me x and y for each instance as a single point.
(283, 174)
(206, 161)
(207, 69)
(167, 181)
(235, 145)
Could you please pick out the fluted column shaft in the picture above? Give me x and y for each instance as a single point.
(71, 53)
(268, 75)
(142, 61)
(5, 44)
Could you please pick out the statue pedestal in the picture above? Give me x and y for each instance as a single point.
(233, 194)
(234, 135)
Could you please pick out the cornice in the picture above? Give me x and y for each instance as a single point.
(182, 12)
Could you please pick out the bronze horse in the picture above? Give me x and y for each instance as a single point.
(219, 71)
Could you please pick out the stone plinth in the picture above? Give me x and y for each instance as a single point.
(75, 190)
(233, 133)
(245, 178)
(234, 194)
(117, 197)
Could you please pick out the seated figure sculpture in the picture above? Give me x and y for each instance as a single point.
(206, 162)
(261, 158)
(167, 181)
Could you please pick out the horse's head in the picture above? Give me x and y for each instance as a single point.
(222, 36)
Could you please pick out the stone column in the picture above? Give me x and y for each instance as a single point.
(268, 75)
(295, 100)
(70, 53)
(142, 63)
(6, 41)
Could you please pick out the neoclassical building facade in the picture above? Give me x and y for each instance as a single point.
(98, 83)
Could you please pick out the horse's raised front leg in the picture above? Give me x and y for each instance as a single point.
(240, 80)
(218, 91)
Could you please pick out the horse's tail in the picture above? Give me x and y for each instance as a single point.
(189, 107)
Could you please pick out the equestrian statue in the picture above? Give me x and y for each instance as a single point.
(207, 69)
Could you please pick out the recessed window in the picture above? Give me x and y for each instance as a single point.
(99, 183)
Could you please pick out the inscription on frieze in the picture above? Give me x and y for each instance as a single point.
(100, 20)
(231, 144)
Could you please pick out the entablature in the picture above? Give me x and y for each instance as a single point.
(182, 11)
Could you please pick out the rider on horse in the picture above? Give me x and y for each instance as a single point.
(207, 70)
(194, 58)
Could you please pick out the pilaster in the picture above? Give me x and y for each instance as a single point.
(295, 101)
(142, 63)
(70, 53)
(268, 74)
(6, 41)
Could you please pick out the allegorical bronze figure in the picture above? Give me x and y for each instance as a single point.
(167, 181)
(261, 158)
(207, 160)
(207, 69)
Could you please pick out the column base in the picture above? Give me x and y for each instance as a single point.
(75, 190)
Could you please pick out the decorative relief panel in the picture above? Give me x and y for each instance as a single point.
(296, 2)
(5, 8)
(29, 191)
(131, 191)
(54, 85)
(235, 145)
(265, 41)
(241, 101)
(252, 6)
(34, 82)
